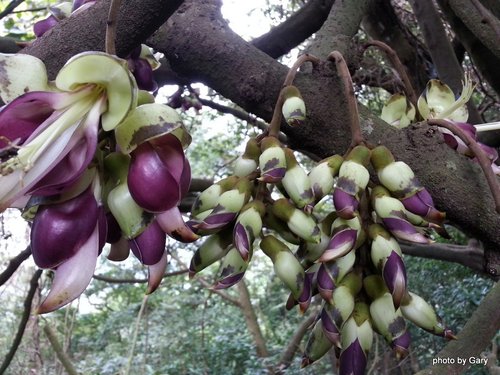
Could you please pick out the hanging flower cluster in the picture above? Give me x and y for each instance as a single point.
(350, 257)
(90, 160)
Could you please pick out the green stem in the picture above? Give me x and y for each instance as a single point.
(136, 332)
(345, 77)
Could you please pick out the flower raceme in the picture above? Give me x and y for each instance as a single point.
(52, 164)
(53, 127)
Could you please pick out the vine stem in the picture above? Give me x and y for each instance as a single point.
(398, 65)
(274, 126)
(111, 27)
(345, 77)
(482, 159)
(136, 332)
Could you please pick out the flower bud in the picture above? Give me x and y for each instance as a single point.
(300, 223)
(317, 345)
(214, 248)
(247, 227)
(347, 235)
(286, 265)
(418, 311)
(249, 161)
(272, 161)
(322, 175)
(295, 182)
(353, 179)
(294, 108)
(209, 197)
(233, 269)
(149, 246)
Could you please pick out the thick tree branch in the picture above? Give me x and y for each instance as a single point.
(22, 324)
(470, 255)
(295, 29)
(448, 68)
(137, 20)
(14, 264)
(475, 336)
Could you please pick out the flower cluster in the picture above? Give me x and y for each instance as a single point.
(438, 102)
(350, 257)
(91, 160)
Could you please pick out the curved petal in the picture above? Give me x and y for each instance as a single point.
(59, 230)
(171, 222)
(21, 73)
(149, 246)
(156, 272)
(73, 276)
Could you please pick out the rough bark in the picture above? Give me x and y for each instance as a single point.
(295, 29)
(443, 55)
(86, 31)
(485, 60)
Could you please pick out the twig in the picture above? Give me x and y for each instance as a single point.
(274, 126)
(14, 264)
(10, 7)
(111, 27)
(24, 321)
(61, 354)
(398, 65)
(136, 332)
(134, 281)
(345, 77)
(482, 159)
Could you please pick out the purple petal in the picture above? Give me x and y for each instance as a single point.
(215, 221)
(229, 281)
(345, 204)
(422, 204)
(59, 230)
(273, 175)
(149, 246)
(103, 227)
(352, 360)
(156, 272)
(490, 152)
(185, 180)
(143, 74)
(150, 180)
(20, 118)
(78, 3)
(304, 299)
(114, 232)
(242, 240)
(171, 223)
(73, 276)
(402, 229)
(401, 345)
(329, 328)
(325, 282)
(394, 274)
(341, 243)
(41, 27)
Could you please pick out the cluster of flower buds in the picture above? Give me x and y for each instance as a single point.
(91, 159)
(438, 102)
(313, 254)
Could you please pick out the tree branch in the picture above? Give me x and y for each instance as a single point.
(58, 349)
(295, 29)
(470, 255)
(10, 7)
(24, 321)
(474, 337)
(289, 352)
(113, 280)
(14, 264)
